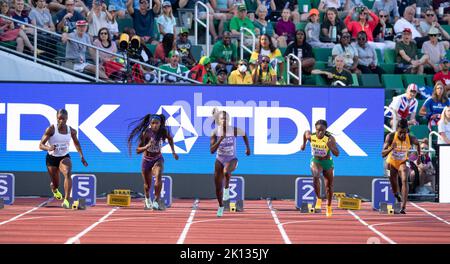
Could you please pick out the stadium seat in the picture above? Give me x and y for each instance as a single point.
(355, 79)
(369, 3)
(448, 54)
(429, 80)
(419, 118)
(8, 44)
(320, 80)
(414, 78)
(388, 95)
(301, 3)
(300, 26)
(322, 54)
(419, 131)
(315, 3)
(370, 80)
(379, 57)
(446, 28)
(152, 48)
(320, 65)
(389, 56)
(197, 51)
(387, 67)
(393, 82)
(124, 22)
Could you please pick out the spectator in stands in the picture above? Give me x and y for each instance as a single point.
(434, 50)
(98, 17)
(431, 110)
(166, 21)
(312, 30)
(120, 6)
(429, 21)
(423, 5)
(183, 45)
(241, 75)
(67, 18)
(403, 4)
(348, 5)
(54, 6)
(262, 26)
(442, 8)
(405, 105)
(285, 29)
(293, 6)
(225, 52)
(210, 76)
(241, 20)
(40, 16)
(384, 31)
(20, 14)
(222, 76)
(265, 48)
(406, 55)
(366, 21)
(367, 57)
(338, 76)
(349, 53)
(224, 7)
(164, 48)
(113, 26)
(408, 21)
(143, 18)
(263, 73)
(270, 5)
(389, 7)
(303, 51)
(83, 6)
(325, 5)
(444, 75)
(332, 28)
(174, 67)
(109, 62)
(425, 167)
(8, 32)
(444, 127)
(76, 52)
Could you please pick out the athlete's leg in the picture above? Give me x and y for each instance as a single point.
(54, 177)
(403, 173)
(147, 178)
(316, 170)
(65, 166)
(157, 171)
(228, 169)
(393, 178)
(218, 180)
(328, 176)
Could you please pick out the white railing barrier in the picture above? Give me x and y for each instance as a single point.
(199, 21)
(394, 119)
(298, 77)
(243, 44)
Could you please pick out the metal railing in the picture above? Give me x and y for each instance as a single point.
(96, 57)
(394, 119)
(430, 138)
(197, 21)
(298, 77)
(243, 43)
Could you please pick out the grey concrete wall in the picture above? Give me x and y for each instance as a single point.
(194, 186)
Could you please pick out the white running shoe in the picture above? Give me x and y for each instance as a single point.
(147, 204)
(226, 194)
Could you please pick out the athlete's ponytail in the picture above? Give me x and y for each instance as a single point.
(139, 126)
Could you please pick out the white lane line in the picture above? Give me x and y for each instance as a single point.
(27, 212)
(430, 213)
(76, 239)
(390, 241)
(188, 223)
(279, 225)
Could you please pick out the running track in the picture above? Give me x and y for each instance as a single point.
(189, 221)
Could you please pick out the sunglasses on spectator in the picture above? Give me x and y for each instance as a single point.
(103, 33)
(429, 15)
(361, 38)
(432, 35)
(143, 2)
(265, 61)
(383, 16)
(346, 37)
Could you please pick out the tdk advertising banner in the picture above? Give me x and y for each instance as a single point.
(274, 118)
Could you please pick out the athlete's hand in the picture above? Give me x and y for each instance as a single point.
(52, 147)
(394, 145)
(302, 147)
(247, 152)
(84, 162)
(175, 155)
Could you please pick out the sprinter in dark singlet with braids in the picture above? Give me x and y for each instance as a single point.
(152, 131)
(322, 143)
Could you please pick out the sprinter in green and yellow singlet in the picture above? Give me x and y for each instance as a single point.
(322, 143)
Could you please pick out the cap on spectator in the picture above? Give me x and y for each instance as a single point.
(242, 8)
(407, 30)
(445, 60)
(204, 60)
(412, 87)
(222, 70)
(166, 3)
(173, 53)
(433, 31)
(313, 11)
(112, 8)
(184, 30)
(81, 23)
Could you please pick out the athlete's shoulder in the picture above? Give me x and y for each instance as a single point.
(328, 134)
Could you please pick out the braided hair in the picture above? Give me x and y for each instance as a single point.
(140, 126)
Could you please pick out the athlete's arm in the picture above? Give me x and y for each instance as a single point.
(306, 137)
(388, 146)
(170, 140)
(73, 133)
(214, 143)
(332, 146)
(416, 142)
(141, 147)
(244, 135)
(47, 134)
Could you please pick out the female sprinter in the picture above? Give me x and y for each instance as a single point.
(396, 148)
(152, 131)
(58, 160)
(322, 142)
(223, 140)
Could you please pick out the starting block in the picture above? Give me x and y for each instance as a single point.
(2, 203)
(79, 204)
(234, 205)
(119, 197)
(386, 208)
(308, 208)
(349, 203)
(338, 195)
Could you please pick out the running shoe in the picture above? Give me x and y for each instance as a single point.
(318, 204)
(65, 204)
(162, 205)
(147, 204)
(155, 205)
(220, 211)
(403, 210)
(57, 194)
(398, 197)
(329, 211)
(226, 194)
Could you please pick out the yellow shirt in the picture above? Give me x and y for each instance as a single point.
(236, 78)
(400, 154)
(272, 55)
(266, 77)
(319, 147)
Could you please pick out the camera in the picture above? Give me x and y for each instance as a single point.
(132, 46)
(359, 9)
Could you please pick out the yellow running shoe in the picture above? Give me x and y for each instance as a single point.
(318, 204)
(57, 195)
(329, 211)
(65, 204)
